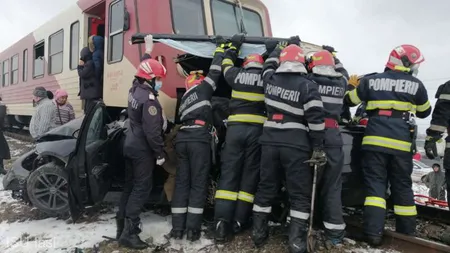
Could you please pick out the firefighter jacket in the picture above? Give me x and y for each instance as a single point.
(390, 97)
(441, 114)
(332, 90)
(294, 108)
(195, 108)
(247, 96)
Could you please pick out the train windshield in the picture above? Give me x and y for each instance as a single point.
(227, 19)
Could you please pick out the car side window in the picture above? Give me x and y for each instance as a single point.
(95, 127)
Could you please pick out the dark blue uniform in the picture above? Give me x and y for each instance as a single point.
(294, 126)
(387, 142)
(143, 145)
(440, 122)
(242, 152)
(193, 145)
(332, 90)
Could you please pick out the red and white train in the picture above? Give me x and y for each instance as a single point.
(49, 56)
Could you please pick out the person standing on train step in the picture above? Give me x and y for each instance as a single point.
(4, 147)
(242, 152)
(292, 134)
(42, 119)
(193, 146)
(332, 88)
(391, 97)
(143, 146)
(90, 87)
(64, 110)
(96, 45)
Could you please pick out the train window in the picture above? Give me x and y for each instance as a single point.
(116, 23)
(187, 17)
(25, 65)
(5, 79)
(15, 69)
(38, 62)
(55, 52)
(227, 19)
(74, 44)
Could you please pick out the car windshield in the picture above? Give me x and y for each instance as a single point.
(67, 129)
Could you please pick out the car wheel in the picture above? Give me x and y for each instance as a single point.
(48, 188)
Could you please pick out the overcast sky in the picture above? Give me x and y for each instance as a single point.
(363, 32)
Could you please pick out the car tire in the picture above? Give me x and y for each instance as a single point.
(47, 189)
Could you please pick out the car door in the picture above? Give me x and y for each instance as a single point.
(89, 179)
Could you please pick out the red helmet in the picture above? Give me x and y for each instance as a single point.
(405, 58)
(292, 53)
(193, 79)
(321, 58)
(150, 68)
(253, 61)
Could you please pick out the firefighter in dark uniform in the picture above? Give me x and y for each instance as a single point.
(332, 88)
(193, 146)
(143, 145)
(387, 142)
(294, 129)
(242, 152)
(439, 123)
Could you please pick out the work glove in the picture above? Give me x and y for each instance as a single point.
(294, 40)
(353, 81)
(319, 157)
(430, 147)
(160, 160)
(220, 41)
(270, 46)
(237, 40)
(329, 49)
(282, 44)
(148, 44)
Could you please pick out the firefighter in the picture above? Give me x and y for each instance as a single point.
(294, 129)
(242, 152)
(193, 146)
(439, 124)
(143, 145)
(332, 87)
(387, 142)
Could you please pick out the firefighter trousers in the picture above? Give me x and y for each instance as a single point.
(330, 189)
(138, 185)
(291, 161)
(447, 170)
(378, 169)
(191, 184)
(239, 173)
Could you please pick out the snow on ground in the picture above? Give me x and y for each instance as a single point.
(53, 236)
(420, 188)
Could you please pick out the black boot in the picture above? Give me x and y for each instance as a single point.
(193, 235)
(374, 241)
(2, 169)
(120, 223)
(223, 231)
(176, 234)
(130, 238)
(260, 230)
(298, 231)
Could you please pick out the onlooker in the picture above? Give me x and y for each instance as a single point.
(4, 148)
(64, 110)
(96, 45)
(42, 119)
(50, 94)
(435, 181)
(90, 89)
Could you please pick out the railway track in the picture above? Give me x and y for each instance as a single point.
(18, 134)
(397, 241)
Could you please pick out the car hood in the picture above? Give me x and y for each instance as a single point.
(61, 149)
